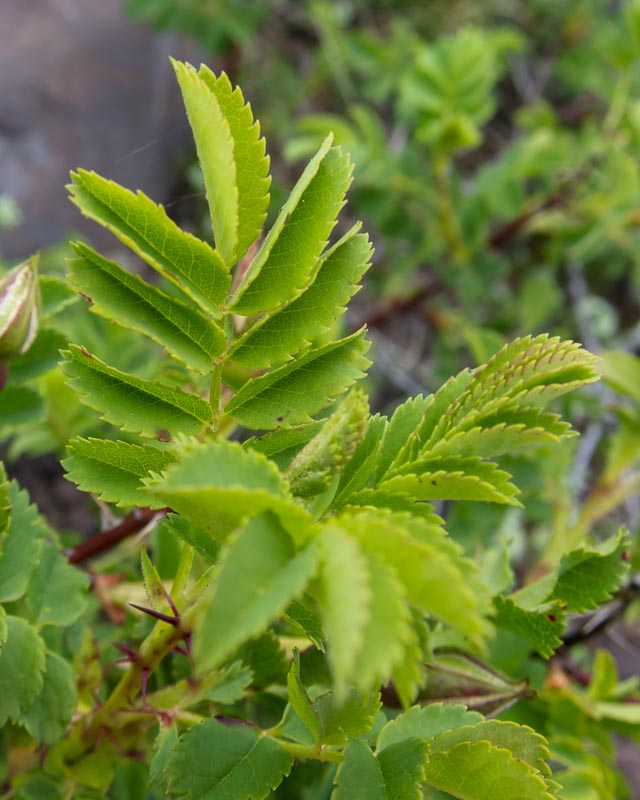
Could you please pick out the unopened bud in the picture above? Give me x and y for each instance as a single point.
(19, 305)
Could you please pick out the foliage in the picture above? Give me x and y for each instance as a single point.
(309, 619)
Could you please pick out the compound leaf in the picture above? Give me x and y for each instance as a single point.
(128, 300)
(260, 574)
(292, 393)
(359, 776)
(252, 165)
(145, 227)
(113, 470)
(284, 264)
(133, 404)
(279, 335)
(246, 766)
(22, 545)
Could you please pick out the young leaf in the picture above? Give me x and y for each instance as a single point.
(426, 722)
(588, 577)
(291, 394)
(453, 478)
(541, 627)
(200, 539)
(476, 771)
(22, 666)
(360, 468)
(436, 579)
(313, 469)
(259, 576)
(113, 470)
(133, 404)
(284, 265)
(345, 601)
(282, 333)
(47, 718)
(128, 300)
(215, 147)
(246, 764)
(145, 227)
(405, 421)
(57, 592)
(252, 165)
(219, 484)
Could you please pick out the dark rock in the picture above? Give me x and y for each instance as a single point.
(82, 86)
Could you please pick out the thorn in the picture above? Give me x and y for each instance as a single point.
(187, 643)
(181, 650)
(130, 654)
(156, 614)
(172, 605)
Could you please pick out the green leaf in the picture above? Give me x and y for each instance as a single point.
(19, 404)
(426, 722)
(22, 666)
(299, 699)
(128, 300)
(313, 469)
(387, 631)
(246, 764)
(622, 372)
(215, 147)
(541, 627)
(47, 719)
(279, 335)
(218, 484)
(259, 576)
(133, 404)
(436, 577)
(145, 227)
(402, 425)
(521, 741)
(163, 748)
(359, 776)
(113, 470)
(200, 539)
(345, 601)
(477, 771)
(344, 718)
(252, 165)
(588, 577)
(303, 616)
(284, 264)
(264, 656)
(40, 358)
(361, 466)
(291, 394)
(57, 591)
(453, 478)
(402, 767)
(396, 773)
(22, 545)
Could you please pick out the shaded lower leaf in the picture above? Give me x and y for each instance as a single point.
(48, 717)
(131, 403)
(22, 666)
(58, 592)
(247, 765)
(426, 722)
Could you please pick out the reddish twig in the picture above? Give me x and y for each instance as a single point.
(105, 540)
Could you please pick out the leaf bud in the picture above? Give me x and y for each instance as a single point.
(19, 308)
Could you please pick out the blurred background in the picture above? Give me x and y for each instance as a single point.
(497, 152)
